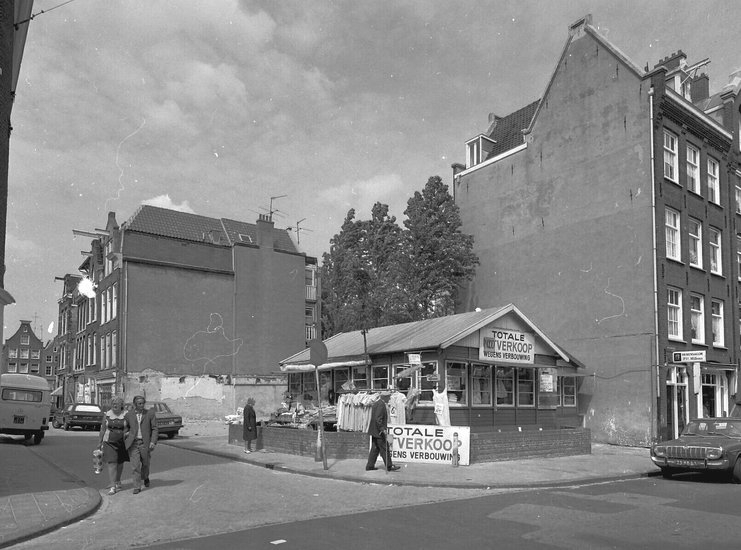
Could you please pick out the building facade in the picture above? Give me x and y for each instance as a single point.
(22, 352)
(193, 310)
(609, 209)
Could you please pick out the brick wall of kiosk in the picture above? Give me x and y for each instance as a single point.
(492, 446)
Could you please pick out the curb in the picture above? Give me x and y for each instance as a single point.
(413, 483)
(25, 533)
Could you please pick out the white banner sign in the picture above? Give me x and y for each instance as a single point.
(511, 346)
(429, 444)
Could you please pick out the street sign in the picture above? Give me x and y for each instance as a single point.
(695, 356)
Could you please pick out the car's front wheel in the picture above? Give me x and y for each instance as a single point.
(56, 424)
(736, 475)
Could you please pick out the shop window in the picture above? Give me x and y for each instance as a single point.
(309, 393)
(567, 391)
(360, 377)
(341, 376)
(480, 384)
(525, 387)
(402, 384)
(294, 385)
(325, 388)
(456, 377)
(380, 377)
(505, 385)
(427, 379)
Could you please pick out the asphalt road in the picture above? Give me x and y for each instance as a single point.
(202, 501)
(687, 512)
(195, 495)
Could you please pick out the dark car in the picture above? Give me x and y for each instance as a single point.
(706, 445)
(85, 415)
(168, 423)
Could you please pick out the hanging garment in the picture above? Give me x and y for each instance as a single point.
(397, 410)
(442, 409)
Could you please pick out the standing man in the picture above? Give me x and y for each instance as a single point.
(378, 430)
(140, 441)
(249, 428)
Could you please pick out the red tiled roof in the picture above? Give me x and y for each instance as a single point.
(508, 132)
(164, 222)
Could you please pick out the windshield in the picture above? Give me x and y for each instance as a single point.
(88, 408)
(729, 427)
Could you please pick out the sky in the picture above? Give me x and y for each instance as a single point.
(215, 106)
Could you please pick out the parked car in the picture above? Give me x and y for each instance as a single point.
(85, 415)
(168, 423)
(706, 445)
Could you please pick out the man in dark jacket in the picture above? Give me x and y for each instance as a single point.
(140, 441)
(249, 426)
(378, 430)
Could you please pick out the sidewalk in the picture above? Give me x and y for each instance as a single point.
(27, 515)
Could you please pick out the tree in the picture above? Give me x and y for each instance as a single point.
(378, 274)
(357, 271)
(440, 257)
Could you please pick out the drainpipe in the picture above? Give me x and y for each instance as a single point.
(655, 377)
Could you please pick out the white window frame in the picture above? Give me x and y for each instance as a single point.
(693, 169)
(566, 399)
(463, 392)
(694, 232)
(674, 313)
(697, 317)
(673, 227)
(670, 156)
(114, 348)
(738, 200)
(716, 314)
(114, 300)
(380, 382)
(13, 367)
(713, 181)
(715, 243)
(25, 340)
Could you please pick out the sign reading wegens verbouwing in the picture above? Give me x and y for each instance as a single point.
(512, 346)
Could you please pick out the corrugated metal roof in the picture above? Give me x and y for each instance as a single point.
(429, 334)
(164, 222)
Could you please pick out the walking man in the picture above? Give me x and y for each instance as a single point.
(140, 441)
(378, 430)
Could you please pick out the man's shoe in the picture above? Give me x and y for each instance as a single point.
(371, 468)
(394, 468)
(146, 482)
(137, 491)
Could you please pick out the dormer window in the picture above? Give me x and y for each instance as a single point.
(478, 149)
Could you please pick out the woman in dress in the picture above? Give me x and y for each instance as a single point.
(113, 431)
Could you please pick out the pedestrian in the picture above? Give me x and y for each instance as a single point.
(113, 431)
(140, 441)
(378, 430)
(249, 428)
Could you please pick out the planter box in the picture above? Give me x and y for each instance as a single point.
(485, 447)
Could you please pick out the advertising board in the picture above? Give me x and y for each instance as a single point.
(429, 444)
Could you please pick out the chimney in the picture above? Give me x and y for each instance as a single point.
(264, 231)
(700, 88)
(673, 61)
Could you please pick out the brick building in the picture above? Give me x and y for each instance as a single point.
(609, 210)
(22, 351)
(189, 309)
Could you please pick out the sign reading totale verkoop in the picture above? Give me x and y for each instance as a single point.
(430, 444)
(512, 346)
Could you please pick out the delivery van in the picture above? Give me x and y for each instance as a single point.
(24, 405)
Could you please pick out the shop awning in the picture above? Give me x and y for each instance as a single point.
(308, 367)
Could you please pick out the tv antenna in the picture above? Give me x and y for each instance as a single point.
(276, 211)
(299, 229)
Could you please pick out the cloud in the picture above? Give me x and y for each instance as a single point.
(362, 195)
(164, 201)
